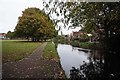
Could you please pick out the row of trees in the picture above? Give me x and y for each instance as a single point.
(93, 17)
(34, 24)
(101, 18)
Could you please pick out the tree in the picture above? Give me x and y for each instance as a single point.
(93, 17)
(35, 24)
(102, 18)
(10, 35)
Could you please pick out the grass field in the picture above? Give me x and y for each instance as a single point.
(50, 52)
(13, 50)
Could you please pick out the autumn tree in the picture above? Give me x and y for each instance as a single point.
(35, 24)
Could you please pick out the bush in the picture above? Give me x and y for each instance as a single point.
(75, 43)
(89, 45)
(86, 45)
(84, 40)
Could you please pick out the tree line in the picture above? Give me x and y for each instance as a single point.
(99, 18)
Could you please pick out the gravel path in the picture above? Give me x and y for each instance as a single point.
(32, 67)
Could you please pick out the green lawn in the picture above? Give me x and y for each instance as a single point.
(13, 50)
(50, 52)
(89, 45)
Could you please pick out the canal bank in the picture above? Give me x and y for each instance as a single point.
(71, 57)
(36, 66)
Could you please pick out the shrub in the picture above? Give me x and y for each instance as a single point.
(84, 40)
(75, 43)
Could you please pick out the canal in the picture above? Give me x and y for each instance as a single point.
(71, 57)
(104, 65)
(96, 64)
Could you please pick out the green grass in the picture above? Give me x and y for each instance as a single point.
(0, 46)
(13, 50)
(87, 45)
(50, 52)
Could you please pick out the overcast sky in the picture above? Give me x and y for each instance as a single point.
(10, 10)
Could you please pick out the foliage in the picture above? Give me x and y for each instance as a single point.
(13, 50)
(90, 45)
(105, 20)
(86, 45)
(102, 19)
(81, 39)
(100, 67)
(88, 71)
(99, 18)
(10, 35)
(84, 40)
(61, 39)
(61, 10)
(55, 39)
(35, 24)
(50, 52)
(75, 43)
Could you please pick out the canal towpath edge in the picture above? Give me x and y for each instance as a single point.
(33, 67)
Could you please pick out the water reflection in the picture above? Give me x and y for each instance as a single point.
(93, 65)
(70, 57)
(99, 67)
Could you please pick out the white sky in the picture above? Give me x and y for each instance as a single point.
(10, 10)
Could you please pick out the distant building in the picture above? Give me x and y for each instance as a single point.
(2, 35)
(77, 34)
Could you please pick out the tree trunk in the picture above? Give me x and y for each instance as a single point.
(33, 39)
(38, 39)
(28, 38)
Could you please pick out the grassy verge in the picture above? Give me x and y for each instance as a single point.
(50, 52)
(87, 45)
(13, 50)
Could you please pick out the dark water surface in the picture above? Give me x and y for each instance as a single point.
(104, 66)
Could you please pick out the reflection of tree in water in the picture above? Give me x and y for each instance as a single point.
(92, 70)
(98, 68)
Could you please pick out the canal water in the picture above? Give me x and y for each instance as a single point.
(106, 65)
(71, 57)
